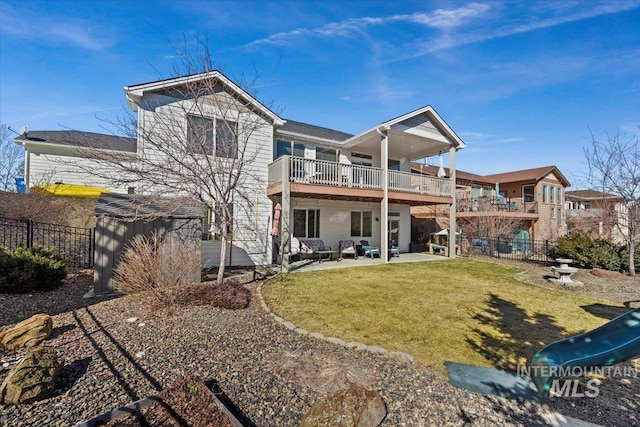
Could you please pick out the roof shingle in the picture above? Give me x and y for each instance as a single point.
(75, 138)
(315, 131)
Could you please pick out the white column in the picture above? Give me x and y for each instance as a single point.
(384, 205)
(452, 208)
(285, 239)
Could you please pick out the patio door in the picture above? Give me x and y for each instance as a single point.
(394, 232)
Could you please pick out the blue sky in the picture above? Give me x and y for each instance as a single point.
(521, 82)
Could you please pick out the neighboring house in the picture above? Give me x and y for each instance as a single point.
(531, 200)
(598, 214)
(53, 157)
(330, 185)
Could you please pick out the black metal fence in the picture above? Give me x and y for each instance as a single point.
(73, 244)
(525, 250)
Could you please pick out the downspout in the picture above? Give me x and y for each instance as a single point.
(27, 168)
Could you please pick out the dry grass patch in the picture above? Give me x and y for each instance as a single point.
(465, 310)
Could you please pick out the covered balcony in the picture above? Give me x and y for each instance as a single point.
(496, 206)
(343, 181)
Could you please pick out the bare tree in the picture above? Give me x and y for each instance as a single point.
(491, 226)
(614, 168)
(11, 160)
(210, 160)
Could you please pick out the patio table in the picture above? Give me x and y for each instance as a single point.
(321, 253)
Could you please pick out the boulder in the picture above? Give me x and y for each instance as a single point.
(28, 333)
(605, 273)
(354, 407)
(33, 378)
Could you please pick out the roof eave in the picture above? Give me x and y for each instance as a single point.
(457, 142)
(44, 144)
(428, 109)
(308, 137)
(135, 93)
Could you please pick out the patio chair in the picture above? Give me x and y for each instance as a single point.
(369, 250)
(347, 247)
(393, 249)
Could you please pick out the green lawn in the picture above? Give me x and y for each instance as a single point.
(463, 310)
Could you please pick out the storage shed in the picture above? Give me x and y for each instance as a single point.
(121, 217)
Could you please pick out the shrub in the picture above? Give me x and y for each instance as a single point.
(605, 255)
(587, 252)
(158, 266)
(231, 294)
(624, 258)
(30, 270)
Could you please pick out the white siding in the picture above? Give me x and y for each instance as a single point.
(252, 209)
(335, 220)
(55, 165)
(421, 126)
(236, 255)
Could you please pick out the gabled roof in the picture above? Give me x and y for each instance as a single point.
(428, 109)
(294, 128)
(535, 174)
(134, 93)
(79, 139)
(589, 195)
(389, 124)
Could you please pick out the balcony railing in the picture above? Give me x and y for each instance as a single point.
(492, 204)
(322, 172)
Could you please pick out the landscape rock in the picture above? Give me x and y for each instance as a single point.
(605, 273)
(28, 333)
(355, 406)
(33, 378)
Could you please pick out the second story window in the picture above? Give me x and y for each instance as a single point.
(528, 193)
(329, 154)
(199, 135)
(226, 139)
(545, 194)
(288, 148)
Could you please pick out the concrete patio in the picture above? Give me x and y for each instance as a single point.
(314, 265)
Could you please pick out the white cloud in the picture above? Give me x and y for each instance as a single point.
(439, 19)
(559, 16)
(475, 135)
(443, 18)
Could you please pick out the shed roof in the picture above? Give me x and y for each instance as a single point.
(76, 138)
(460, 174)
(135, 206)
(292, 126)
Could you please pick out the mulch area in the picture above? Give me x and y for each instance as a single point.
(68, 297)
(267, 374)
(188, 402)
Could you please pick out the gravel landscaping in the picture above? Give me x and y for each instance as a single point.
(268, 374)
